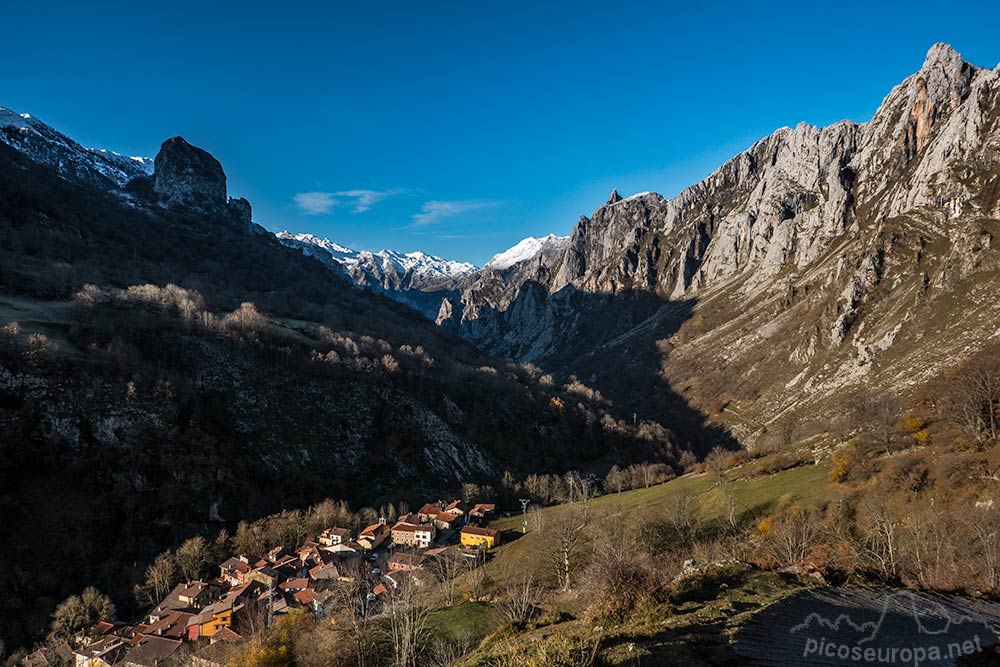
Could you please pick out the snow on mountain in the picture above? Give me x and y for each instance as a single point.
(43, 144)
(411, 268)
(525, 249)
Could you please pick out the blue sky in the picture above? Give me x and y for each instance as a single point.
(458, 128)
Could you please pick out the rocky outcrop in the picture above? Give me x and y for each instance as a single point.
(191, 179)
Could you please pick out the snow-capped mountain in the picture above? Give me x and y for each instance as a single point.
(391, 268)
(42, 143)
(526, 249)
(415, 278)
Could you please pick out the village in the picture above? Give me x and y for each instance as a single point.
(204, 620)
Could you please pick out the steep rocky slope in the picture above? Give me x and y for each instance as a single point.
(816, 260)
(44, 144)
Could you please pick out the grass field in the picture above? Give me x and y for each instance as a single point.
(756, 495)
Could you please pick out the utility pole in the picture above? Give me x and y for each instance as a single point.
(524, 512)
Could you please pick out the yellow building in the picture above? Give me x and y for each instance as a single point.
(480, 537)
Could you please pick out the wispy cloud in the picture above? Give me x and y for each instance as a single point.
(365, 199)
(321, 203)
(436, 210)
(315, 203)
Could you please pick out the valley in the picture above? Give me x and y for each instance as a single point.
(659, 439)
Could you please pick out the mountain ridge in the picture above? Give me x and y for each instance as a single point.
(817, 220)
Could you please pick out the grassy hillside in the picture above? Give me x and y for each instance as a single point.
(692, 626)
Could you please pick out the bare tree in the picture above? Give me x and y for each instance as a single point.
(972, 396)
(406, 623)
(790, 536)
(161, 575)
(535, 519)
(476, 577)
(356, 603)
(880, 537)
(715, 464)
(566, 542)
(449, 567)
(520, 601)
(192, 556)
(449, 652)
(986, 529)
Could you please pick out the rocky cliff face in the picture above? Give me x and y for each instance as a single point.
(818, 258)
(190, 178)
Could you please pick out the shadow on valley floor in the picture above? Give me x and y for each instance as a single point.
(615, 343)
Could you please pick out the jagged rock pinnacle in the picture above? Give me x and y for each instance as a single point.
(186, 175)
(943, 54)
(614, 197)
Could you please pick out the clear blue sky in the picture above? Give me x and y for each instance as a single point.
(460, 127)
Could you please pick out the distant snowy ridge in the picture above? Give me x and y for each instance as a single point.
(415, 265)
(525, 249)
(42, 143)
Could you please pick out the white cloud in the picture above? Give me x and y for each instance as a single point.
(364, 199)
(320, 203)
(315, 203)
(436, 210)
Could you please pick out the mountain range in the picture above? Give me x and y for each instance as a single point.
(818, 262)
(153, 330)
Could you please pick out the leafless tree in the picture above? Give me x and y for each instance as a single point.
(192, 557)
(406, 623)
(535, 519)
(448, 652)
(972, 396)
(986, 544)
(476, 577)
(715, 464)
(566, 541)
(880, 536)
(356, 604)
(449, 567)
(791, 535)
(161, 576)
(520, 601)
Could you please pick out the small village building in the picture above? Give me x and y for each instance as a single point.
(373, 536)
(476, 537)
(104, 653)
(482, 510)
(447, 520)
(405, 534)
(49, 656)
(152, 652)
(429, 511)
(192, 595)
(459, 507)
(403, 561)
(334, 536)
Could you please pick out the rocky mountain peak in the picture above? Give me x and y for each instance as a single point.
(943, 55)
(614, 197)
(188, 176)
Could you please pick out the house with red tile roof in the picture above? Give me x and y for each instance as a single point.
(373, 536)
